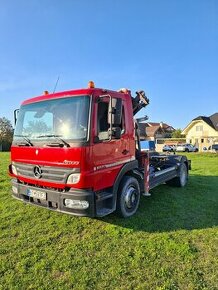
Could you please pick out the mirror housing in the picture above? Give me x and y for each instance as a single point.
(16, 112)
(115, 112)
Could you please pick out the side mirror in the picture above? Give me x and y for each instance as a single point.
(115, 112)
(16, 112)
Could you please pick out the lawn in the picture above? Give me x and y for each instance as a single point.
(171, 243)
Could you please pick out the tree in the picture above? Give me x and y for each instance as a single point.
(177, 134)
(6, 130)
(38, 126)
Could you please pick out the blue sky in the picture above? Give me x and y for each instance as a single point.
(169, 48)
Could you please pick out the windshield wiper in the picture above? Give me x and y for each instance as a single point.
(28, 142)
(56, 137)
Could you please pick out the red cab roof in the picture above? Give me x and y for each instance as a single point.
(70, 93)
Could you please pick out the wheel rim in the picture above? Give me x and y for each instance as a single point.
(183, 175)
(131, 198)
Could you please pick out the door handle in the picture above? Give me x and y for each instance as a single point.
(124, 152)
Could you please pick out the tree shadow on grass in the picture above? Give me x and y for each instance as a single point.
(171, 208)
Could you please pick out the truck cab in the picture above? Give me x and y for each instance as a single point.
(67, 147)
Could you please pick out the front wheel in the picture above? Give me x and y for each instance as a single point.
(128, 197)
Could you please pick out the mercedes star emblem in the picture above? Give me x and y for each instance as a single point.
(37, 171)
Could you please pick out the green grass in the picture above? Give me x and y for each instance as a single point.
(171, 243)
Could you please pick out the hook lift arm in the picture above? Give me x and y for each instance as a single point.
(139, 102)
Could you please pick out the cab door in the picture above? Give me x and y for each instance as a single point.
(109, 152)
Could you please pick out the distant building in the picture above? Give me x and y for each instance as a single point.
(153, 131)
(202, 131)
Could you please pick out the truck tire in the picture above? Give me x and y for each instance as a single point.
(181, 179)
(128, 197)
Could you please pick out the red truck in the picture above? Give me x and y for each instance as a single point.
(78, 152)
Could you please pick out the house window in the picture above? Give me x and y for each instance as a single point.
(199, 128)
(202, 140)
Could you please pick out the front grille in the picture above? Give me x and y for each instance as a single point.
(48, 173)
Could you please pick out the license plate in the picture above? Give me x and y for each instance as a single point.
(36, 194)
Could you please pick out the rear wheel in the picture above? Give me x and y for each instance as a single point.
(128, 196)
(181, 179)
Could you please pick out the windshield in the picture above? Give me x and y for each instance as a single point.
(65, 117)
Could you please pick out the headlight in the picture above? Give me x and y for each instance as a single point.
(76, 204)
(73, 178)
(14, 170)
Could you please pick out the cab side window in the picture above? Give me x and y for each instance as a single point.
(122, 125)
(103, 125)
(102, 121)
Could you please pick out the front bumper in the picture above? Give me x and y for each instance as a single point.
(55, 199)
